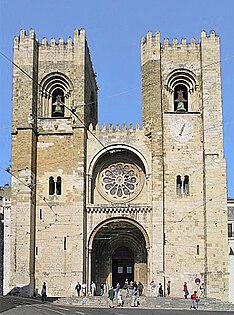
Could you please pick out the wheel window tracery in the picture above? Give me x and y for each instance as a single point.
(120, 181)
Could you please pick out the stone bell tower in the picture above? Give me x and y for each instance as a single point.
(51, 82)
(182, 117)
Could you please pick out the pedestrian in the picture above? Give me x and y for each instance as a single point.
(134, 298)
(117, 288)
(111, 295)
(135, 285)
(93, 288)
(168, 288)
(152, 288)
(202, 290)
(119, 298)
(194, 300)
(160, 290)
(101, 289)
(125, 287)
(140, 288)
(186, 292)
(83, 289)
(43, 292)
(78, 288)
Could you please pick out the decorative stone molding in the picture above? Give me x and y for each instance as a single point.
(119, 209)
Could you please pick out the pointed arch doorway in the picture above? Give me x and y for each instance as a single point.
(119, 252)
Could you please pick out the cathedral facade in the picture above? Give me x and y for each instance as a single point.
(109, 203)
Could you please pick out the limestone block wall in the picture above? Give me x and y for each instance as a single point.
(189, 222)
(43, 147)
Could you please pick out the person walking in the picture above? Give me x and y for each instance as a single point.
(168, 288)
(83, 289)
(152, 288)
(126, 288)
(111, 295)
(93, 288)
(134, 298)
(43, 292)
(78, 288)
(101, 289)
(202, 290)
(194, 300)
(119, 298)
(160, 290)
(186, 292)
(140, 288)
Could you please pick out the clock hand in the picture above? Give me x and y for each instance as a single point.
(182, 130)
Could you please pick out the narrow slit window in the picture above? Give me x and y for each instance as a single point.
(51, 186)
(40, 214)
(186, 185)
(198, 250)
(178, 185)
(230, 232)
(37, 251)
(59, 186)
(65, 243)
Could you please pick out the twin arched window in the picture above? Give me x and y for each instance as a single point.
(182, 185)
(55, 187)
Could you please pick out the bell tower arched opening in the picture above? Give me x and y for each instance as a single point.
(119, 252)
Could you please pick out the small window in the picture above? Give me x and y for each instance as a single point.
(182, 186)
(186, 185)
(40, 214)
(198, 250)
(51, 186)
(58, 103)
(178, 185)
(55, 188)
(58, 186)
(180, 98)
(230, 230)
(65, 243)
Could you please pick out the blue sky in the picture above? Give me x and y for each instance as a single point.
(114, 29)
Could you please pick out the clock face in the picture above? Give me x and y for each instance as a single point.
(182, 130)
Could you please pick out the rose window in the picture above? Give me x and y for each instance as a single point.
(120, 181)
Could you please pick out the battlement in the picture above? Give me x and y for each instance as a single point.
(79, 36)
(151, 45)
(117, 128)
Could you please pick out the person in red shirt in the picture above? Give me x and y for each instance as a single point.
(186, 292)
(194, 300)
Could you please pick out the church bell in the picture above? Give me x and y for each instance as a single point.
(180, 102)
(58, 107)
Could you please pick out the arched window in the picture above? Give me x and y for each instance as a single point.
(55, 90)
(58, 186)
(181, 90)
(51, 186)
(55, 188)
(57, 103)
(186, 185)
(178, 185)
(180, 98)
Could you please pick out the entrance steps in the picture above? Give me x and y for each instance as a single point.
(148, 302)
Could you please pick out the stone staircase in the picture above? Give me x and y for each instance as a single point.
(149, 302)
